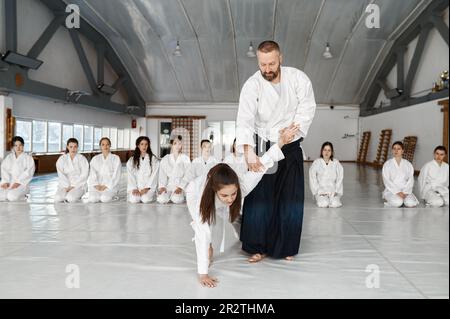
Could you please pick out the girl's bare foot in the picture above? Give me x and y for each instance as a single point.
(289, 258)
(256, 258)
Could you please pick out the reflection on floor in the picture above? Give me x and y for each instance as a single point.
(128, 251)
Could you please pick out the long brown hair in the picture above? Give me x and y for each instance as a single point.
(219, 176)
(137, 152)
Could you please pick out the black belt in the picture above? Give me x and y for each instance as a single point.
(268, 144)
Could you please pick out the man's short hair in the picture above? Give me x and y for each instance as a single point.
(268, 46)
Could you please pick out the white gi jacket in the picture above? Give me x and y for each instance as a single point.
(194, 192)
(326, 179)
(172, 173)
(199, 167)
(145, 176)
(17, 170)
(262, 111)
(433, 177)
(398, 178)
(72, 173)
(237, 163)
(105, 171)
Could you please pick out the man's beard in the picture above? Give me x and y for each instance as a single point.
(270, 76)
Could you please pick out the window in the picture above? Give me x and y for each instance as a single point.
(39, 137)
(54, 137)
(23, 129)
(88, 138)
(113, 138)
(133, 137)
(51, 137)
(105, 132)
(126, 139)
(97, 137)
(67, 133)
(229, 133)
(119, 139)
(78, 134)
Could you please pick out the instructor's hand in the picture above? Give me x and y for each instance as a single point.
(252, 160)
(287, 134)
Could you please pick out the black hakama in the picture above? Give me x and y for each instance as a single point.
(272, 214)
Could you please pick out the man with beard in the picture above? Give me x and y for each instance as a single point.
(272, 99)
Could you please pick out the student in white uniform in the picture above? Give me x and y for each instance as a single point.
(104, 175)
(172, 174)
(220, 193)
(17, 171)
(142, 171)
(325, 178)
(202, 164)
(398, 178)
(433, 180)
(236, 160)
(73, 173)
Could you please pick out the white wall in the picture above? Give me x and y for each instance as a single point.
(422, 120)
(153, 134)
(332, 125)
(328, 125)
(42, 109)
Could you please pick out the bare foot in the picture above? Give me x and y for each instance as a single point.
(256, 258)
(289, 258)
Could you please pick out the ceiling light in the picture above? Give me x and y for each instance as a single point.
(251, 52)
(327, 54)
(177, 51)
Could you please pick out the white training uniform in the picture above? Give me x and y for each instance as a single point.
(199, 167)
(18, 170)
(399, 178)
(325, 182)
(71, 173)
(263, 111)
(104, 171)
(144, 177)
(173, 174)
(237, 163)
(203, 231)
(433, 183)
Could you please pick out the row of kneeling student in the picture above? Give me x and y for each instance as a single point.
(149, 178)
(398, 179)
(165, 180)
(326, 179)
